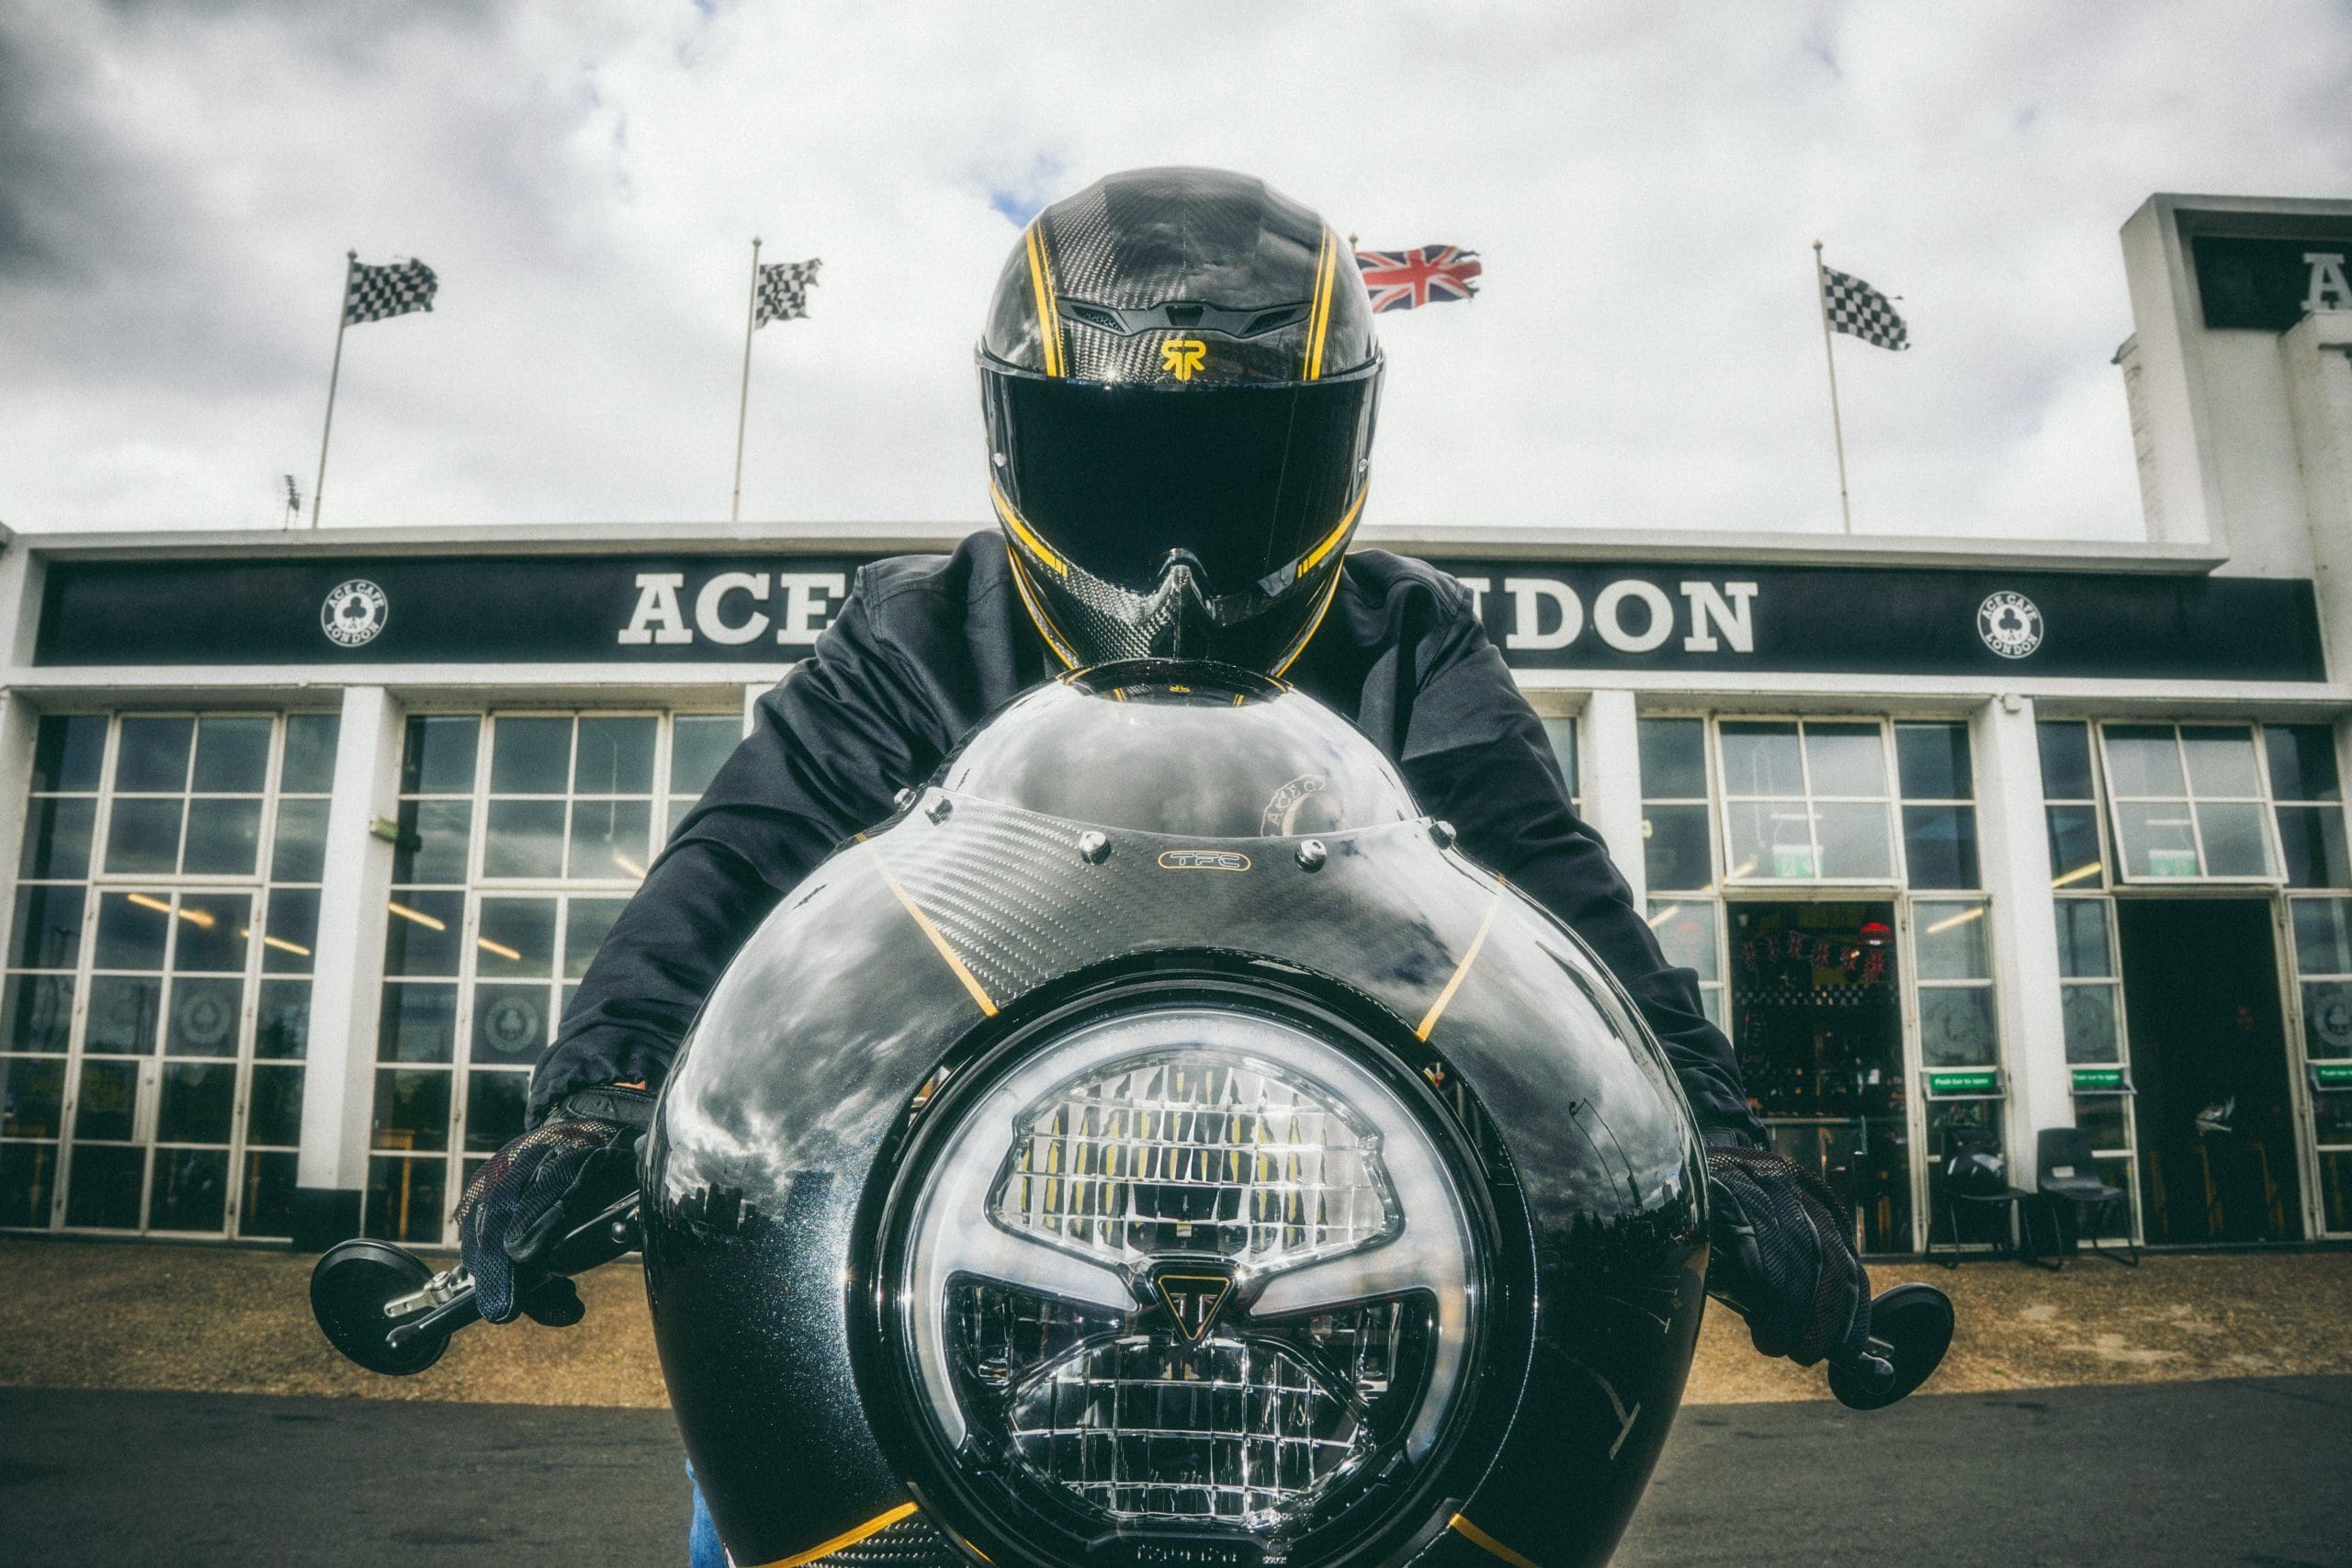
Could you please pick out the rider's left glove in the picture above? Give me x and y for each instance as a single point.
(537, 1191)
(1783, 1257)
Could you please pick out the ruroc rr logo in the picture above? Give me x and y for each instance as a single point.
(1182, 356)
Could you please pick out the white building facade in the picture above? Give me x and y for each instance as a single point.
(313, 833)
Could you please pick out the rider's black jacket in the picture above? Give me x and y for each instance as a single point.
(925, 647)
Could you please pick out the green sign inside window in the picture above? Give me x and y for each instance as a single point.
(2332, 1075)
(2098, 1080)
(1956, 1083)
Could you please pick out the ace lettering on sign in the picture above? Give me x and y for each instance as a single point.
(732, 608)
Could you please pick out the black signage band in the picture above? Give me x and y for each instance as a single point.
(1573, 616)
(2270, 284)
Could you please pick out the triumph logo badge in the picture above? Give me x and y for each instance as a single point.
(1193, 1301)
(2009, 624)
(1181, 356)
(353, 613)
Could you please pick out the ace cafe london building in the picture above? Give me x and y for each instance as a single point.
(311, 834)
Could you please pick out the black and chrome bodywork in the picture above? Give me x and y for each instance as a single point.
(1156, 1143)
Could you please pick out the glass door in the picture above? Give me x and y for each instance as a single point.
(1817, 1019)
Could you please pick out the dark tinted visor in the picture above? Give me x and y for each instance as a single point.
(1113, 477)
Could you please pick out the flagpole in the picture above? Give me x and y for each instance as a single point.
(342, 319)
(1837, 425)
(743, 399)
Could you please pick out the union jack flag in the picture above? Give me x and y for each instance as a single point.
(1403, 280)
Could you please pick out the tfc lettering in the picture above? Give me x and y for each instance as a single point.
(732, 608)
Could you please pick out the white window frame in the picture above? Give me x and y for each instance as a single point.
(2063, 879)
(2315, 1204)
(1708, 803)
(2112, 982)
(1733, 876)
(458, 1162)
(97, 883)
(2123, 873)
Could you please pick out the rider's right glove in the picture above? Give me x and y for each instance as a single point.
(1783, 1256)
(537, 1191)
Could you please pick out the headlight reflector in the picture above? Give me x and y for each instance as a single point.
(1196, 1152)
(1188, 1266)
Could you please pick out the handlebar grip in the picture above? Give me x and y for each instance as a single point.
(457, 1312)
(357, 1284)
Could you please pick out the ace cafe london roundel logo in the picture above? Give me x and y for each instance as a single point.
(353, 613)
(2009, 624)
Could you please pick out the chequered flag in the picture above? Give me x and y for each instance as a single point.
(376, 292)
(784, 290)
(1858, 311)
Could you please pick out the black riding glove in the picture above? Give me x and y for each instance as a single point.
(537, 1191)
(1783, 1256)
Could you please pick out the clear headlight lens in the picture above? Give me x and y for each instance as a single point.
(1190, 1266)
(1196, 1152)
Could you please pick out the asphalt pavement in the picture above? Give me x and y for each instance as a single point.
(2253, 1472)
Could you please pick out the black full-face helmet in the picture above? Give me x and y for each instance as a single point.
(1178, 377)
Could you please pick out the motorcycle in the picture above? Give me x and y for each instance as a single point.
(1157, 1143)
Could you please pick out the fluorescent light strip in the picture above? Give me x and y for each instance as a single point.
(1974, 912)
(429, 922)
(2079, 873)
(202, 919)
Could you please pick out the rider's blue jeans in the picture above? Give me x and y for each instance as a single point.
(703, 1550)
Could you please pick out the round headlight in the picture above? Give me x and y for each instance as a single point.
(1188, 1267)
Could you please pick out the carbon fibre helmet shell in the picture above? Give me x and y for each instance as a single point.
(1180, 380)
(867, 1020)
(1140, 257)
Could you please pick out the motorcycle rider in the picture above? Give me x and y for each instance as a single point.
(1178, 380)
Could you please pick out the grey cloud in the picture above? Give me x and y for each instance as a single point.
(178, 182)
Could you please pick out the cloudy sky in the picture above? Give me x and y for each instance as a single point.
(178, 184)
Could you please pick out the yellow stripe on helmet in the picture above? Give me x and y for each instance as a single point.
(1337, 536)
(1290, 656)
(1037, 616)
(1326, 268)
(1041, 286)
(1028, 535)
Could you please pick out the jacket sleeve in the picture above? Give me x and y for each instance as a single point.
(1476, 755)
(829, 747)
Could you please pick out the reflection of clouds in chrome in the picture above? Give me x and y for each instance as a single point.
(815, 1042)
(830, 990)
(839, 988)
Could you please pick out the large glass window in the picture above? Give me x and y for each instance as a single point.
(2308, 804)
(2086, 971)
(2188, 802)
(2323, 974)
(1735, 807)
(2090, 989)
(2070, 804)
(154, 1015)
(520, 837)
(1806, 800)
(1955, 983)
(1678, 815)
(1938, 789)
